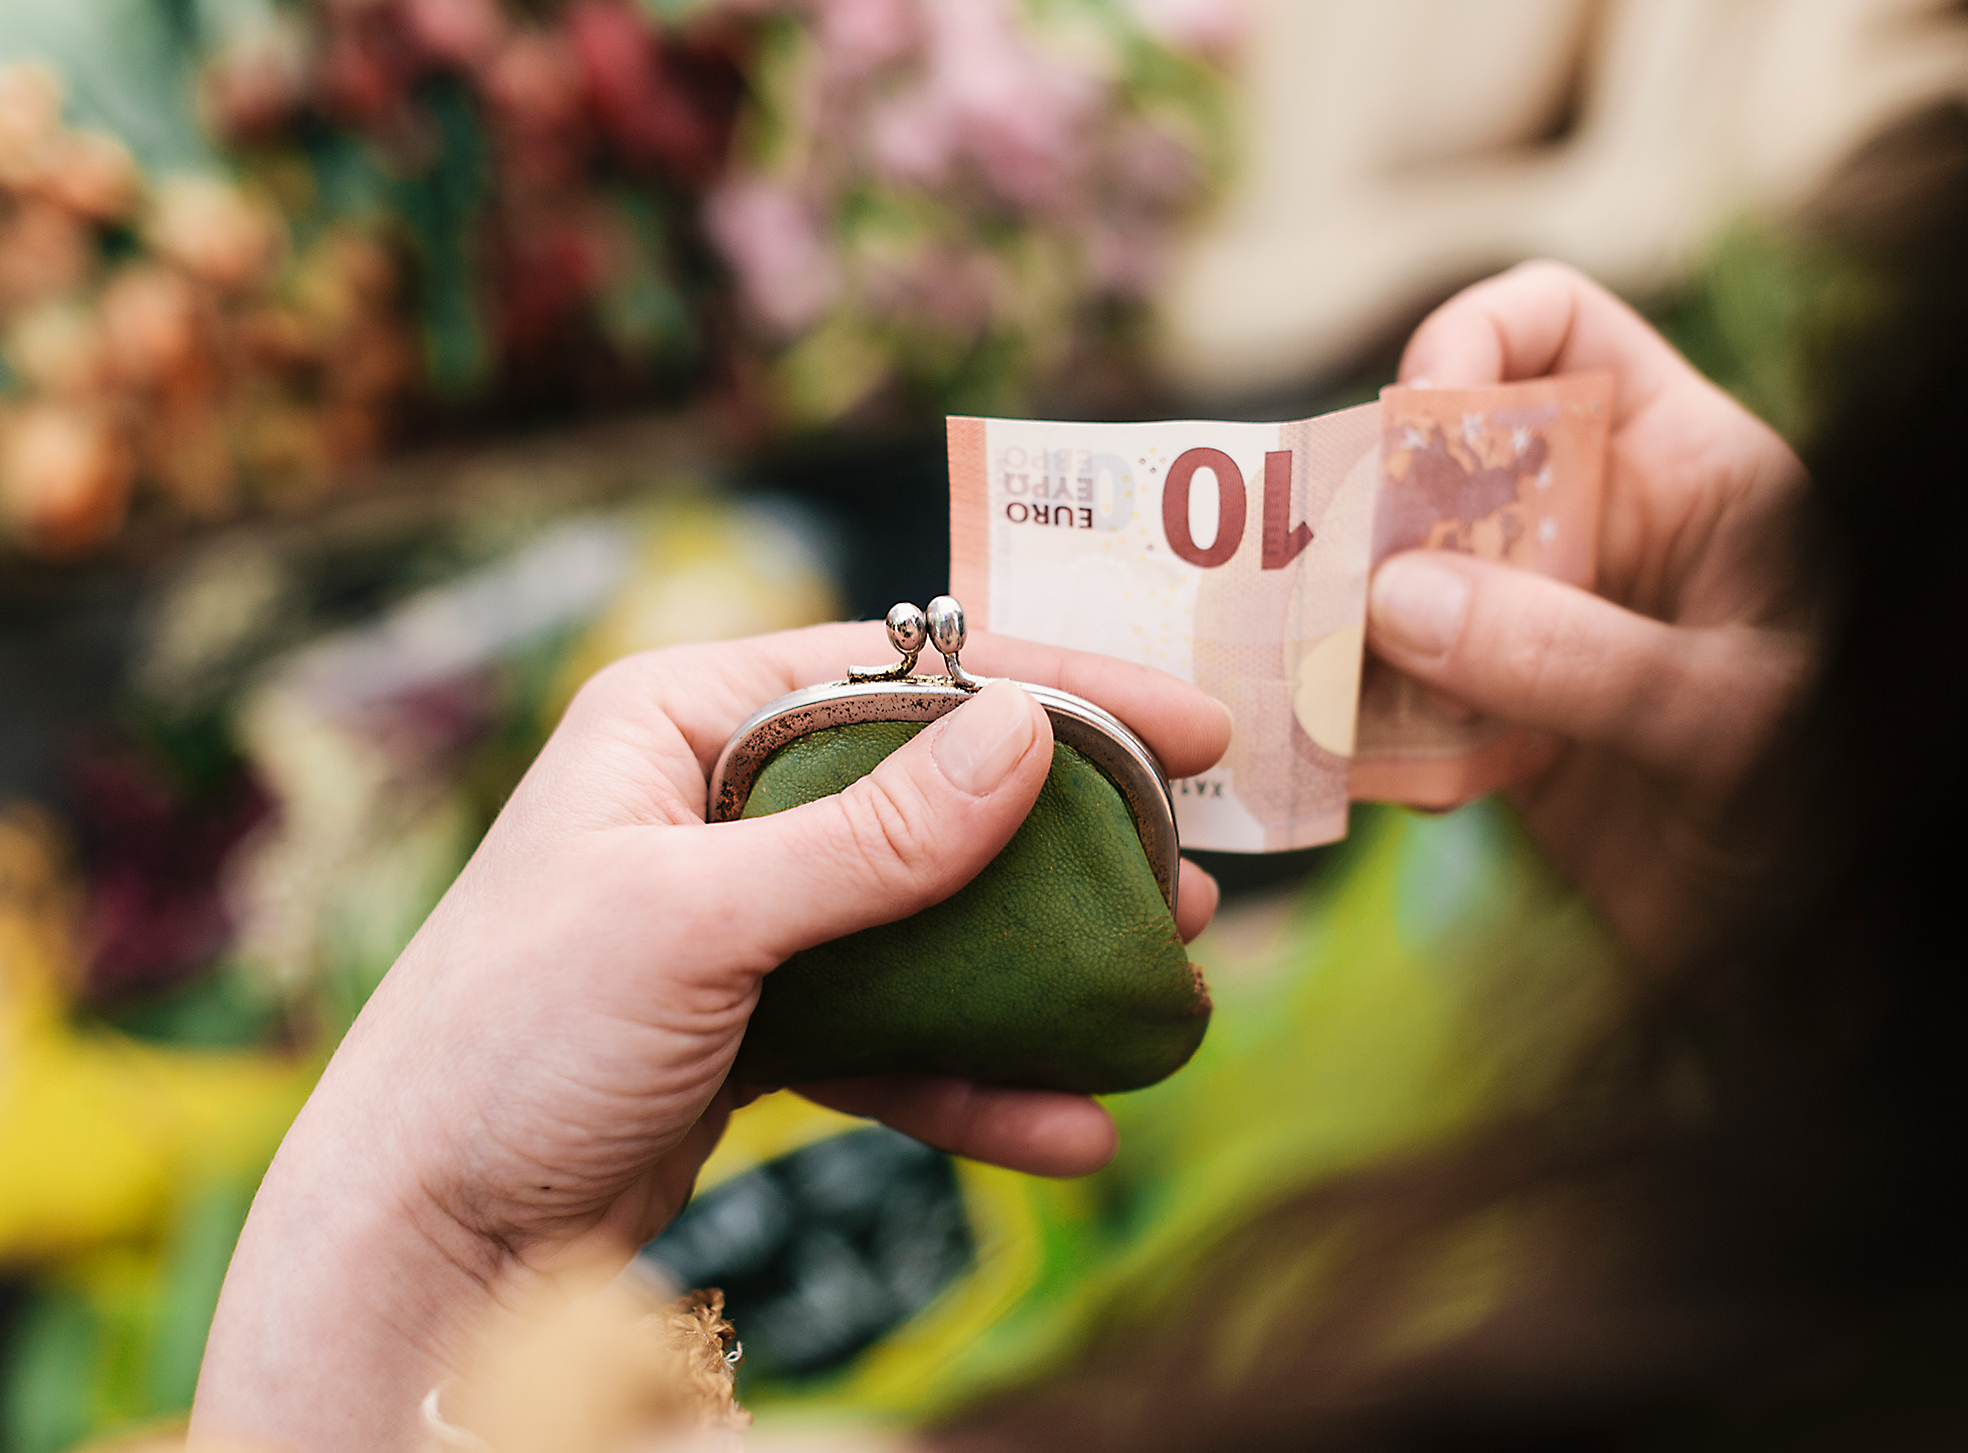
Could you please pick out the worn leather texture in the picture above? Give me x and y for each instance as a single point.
(1057, 967)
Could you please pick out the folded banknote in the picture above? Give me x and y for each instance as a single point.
(1236, 556)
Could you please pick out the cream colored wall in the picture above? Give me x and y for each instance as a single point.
(1391, 149)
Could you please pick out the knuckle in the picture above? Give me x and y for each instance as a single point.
(613, 690)
(633, 686)
(1562, 664)
(888, 832)
(1539, 648)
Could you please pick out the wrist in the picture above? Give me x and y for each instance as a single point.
(349, 1295)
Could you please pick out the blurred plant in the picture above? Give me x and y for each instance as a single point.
(941, 200)
(125, 1171)
(490, 207)
(166, 340)
(540, 161)
(1769, 311)
(155, 843)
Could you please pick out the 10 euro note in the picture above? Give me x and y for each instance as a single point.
(1236, 556)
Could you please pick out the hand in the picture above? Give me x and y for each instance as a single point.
(1662, 689)
(542, 1072)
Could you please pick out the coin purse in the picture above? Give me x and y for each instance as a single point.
(1057, 967)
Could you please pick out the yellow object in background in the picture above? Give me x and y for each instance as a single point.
(125, 1172)
(98, 1131)
(706, 569)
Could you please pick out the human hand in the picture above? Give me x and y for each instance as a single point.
(541, 1074)
(1661, 690)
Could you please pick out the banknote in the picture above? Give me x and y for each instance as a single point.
(1512, 473)
(1236, 556)
(1231, 555)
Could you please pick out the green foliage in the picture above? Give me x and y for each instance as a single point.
(225, 1008)
(114, 1342)
(1766, 312)
(129, 67)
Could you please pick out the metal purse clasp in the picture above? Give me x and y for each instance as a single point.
(897, 693)
(941, 625)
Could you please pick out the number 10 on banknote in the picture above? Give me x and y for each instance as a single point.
(1237, 555)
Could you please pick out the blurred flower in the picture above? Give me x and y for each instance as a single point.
(1210, 27)
(92, 176)
(786, 271)
(202, 367)
(258, 82)
(65, 476)
(1018, 113)
(536, 86)
(912, 139)
(1123, 262)
(30, 112)
(458, 33)
(367, 64)
(535, 164)
(859, 37)
(1154, 168)
(664, 107)
(988, 94)
(59, 348)
(934, 189)
(537, 102)
(214, 232)
(44, 252)
(947, 287)
(550, 263)
(155, 914)
(149, 315)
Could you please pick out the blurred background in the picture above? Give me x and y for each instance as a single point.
(371, 371)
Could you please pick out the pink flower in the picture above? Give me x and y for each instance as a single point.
(1154, 168)
(461, 33)
(859, 37)
(912, 138)
(1018, 114)
(1211, 27)
(1126, 262)
(942, 286)
(769, 236)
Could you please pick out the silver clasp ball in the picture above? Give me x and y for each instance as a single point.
(946, 625)
(946, 633)
(907, 630)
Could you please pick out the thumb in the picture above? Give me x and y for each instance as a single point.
(907, 835)
(1545, 654)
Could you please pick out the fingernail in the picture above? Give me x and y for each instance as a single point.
(984, 738)
(1418, 604)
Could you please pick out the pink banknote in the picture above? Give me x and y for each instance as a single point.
(1511, 473)
(1236, 556)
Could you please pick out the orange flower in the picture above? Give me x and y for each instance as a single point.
(65, 476)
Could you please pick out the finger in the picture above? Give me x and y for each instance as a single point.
(1543, 318)
(907, 835)
(1545, 654)
(1196, 897)
(1040, 1132)
(1186, 728)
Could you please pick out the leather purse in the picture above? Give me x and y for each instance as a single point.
(1057, 967)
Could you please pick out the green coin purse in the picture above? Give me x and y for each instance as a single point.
(1057, 967)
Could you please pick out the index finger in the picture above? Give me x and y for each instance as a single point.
(1542, 318)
